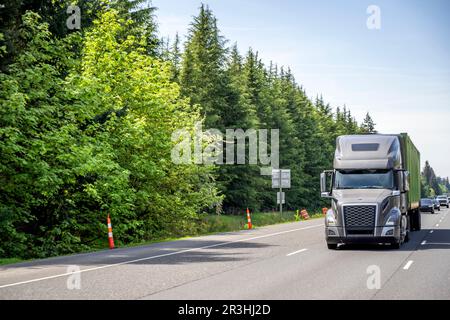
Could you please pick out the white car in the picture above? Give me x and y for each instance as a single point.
(443, 200)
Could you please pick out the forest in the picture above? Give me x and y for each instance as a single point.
(87, 116)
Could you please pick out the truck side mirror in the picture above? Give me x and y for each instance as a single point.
(324, 191)
(402, 181)
(406, 180)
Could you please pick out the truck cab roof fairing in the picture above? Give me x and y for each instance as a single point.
(374, 151)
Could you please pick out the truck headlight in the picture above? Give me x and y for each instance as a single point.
(330, 218)
(392, 217)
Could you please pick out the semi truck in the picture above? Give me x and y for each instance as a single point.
(374, 188)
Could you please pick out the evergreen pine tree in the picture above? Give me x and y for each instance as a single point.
(368, 125)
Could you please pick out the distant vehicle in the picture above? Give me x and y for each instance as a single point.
(437, 204)
(443, 200)
(427, 205)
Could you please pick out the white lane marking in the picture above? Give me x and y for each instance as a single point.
(431, 231)
(439, 243)
(157, 256)
(295, 252)
(424, 242)
(408, 264)
(437, 224)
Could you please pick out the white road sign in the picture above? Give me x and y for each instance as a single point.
(285, 178)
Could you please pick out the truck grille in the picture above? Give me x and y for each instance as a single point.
(360, 219)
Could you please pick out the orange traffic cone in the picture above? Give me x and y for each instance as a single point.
(249, 219)
(324, 211)
(110, 234)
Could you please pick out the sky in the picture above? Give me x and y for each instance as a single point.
(400, 72)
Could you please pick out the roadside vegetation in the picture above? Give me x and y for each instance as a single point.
(431, 184)
(206, 224)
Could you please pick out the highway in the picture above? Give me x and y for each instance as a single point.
(287, 261)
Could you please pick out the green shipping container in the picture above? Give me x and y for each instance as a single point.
(411, 163)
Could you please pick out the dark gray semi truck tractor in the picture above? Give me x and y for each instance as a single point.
(374, 189)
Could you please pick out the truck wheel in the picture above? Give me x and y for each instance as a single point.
(407, 229)
(406, 237)
(332, 246)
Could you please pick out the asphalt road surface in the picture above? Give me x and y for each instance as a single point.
(288, 261)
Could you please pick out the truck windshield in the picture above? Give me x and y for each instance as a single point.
(364, 179)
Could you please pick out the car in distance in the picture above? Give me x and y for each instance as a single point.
(427, 205)
(443, 200)
(437, 205)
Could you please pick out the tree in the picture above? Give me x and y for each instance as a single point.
(90, 137)
(432, 184)
(202, 71)
(368, 125)
(37, 126)
(175, 58)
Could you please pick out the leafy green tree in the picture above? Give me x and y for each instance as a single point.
(80, 140)
(164, 196)
(432, 184)
(35, 132)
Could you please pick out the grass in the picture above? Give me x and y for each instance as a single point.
(9, 260)
(227, 223)
(207, 224)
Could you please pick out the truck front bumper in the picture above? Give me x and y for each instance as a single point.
(383, 234)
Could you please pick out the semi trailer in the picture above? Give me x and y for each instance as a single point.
(374, 189)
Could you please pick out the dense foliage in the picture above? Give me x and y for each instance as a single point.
(87, 119)
(431, 184)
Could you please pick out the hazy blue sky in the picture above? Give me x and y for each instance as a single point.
(400, 73)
